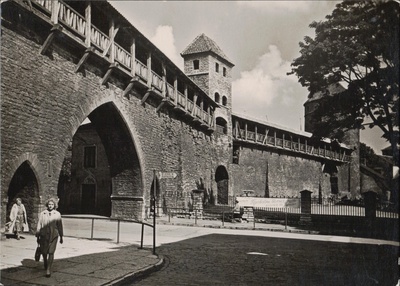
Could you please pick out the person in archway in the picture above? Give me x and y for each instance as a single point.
(18, 218)
(49, 228)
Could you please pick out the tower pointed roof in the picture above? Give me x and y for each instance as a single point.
(202, 44)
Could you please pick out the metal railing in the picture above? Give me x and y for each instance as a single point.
(118, 220)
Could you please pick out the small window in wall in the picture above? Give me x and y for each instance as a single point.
(224, 71)
(224, 100)
(236, 153)
(196, 64)
(216, 96)
(216, 67)
(89, 157)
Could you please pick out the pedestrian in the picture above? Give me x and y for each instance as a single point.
(49, 228)
(18, 218)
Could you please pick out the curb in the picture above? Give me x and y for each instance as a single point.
(139, 274)
(241, 228)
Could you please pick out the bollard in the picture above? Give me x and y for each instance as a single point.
(141, 238)
(169, 217)
(223, 217)
(118, 232)
(91, 235)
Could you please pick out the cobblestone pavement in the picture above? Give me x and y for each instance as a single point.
(223, 259)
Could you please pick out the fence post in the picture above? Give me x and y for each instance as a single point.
(370, 211)
(223, 217)
(254, 218)
(305, 205)
(141, 238)
(285, 219)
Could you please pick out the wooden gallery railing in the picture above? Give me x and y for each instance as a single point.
(83, 31)
(281, 143)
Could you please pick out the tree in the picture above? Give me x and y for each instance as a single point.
(358, 45)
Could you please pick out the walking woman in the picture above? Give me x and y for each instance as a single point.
(18, 218)
(49, 228)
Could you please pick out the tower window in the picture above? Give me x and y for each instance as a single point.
(89, 157)
(216, 67)
(216, 96)
(224, 71)
(196, 64)
(224, 100)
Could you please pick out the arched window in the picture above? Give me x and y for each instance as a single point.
(221, 125)
(216, 96)
(224, 100)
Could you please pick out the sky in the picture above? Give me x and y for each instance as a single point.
(260, 37)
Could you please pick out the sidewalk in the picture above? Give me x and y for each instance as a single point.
(103, 261)
(77, 262)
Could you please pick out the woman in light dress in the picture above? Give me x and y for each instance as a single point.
(18, 218)
(49, 228)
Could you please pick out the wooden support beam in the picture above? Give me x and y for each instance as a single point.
(255, 133)
(245, 131)
(146, 96)
(175, 97)
(57, 28)
(194, 104)
(111, 42)
(149, 75)
(185, 93)
(283, 140)
(84, 58)
(133, 57)
(160, 105)
(108, 73)
(130, 86)
(88, 17)
(55, 9)
(164, 78)
(265, 141)
(237, 127)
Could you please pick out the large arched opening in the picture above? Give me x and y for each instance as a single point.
(24, 185)
(101, 173)
(222, 179)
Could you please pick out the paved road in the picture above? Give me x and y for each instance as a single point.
(224, 259)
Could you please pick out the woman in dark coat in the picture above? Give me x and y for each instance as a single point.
(49, 228)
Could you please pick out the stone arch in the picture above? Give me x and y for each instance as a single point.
(24, 184)
(123, 153)
(222, 179)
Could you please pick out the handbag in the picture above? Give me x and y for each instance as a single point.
(37, 253)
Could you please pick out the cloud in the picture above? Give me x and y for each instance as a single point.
(274, 6)
(266, 91)
(164, 40)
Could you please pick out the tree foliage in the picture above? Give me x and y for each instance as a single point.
(358, 45)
